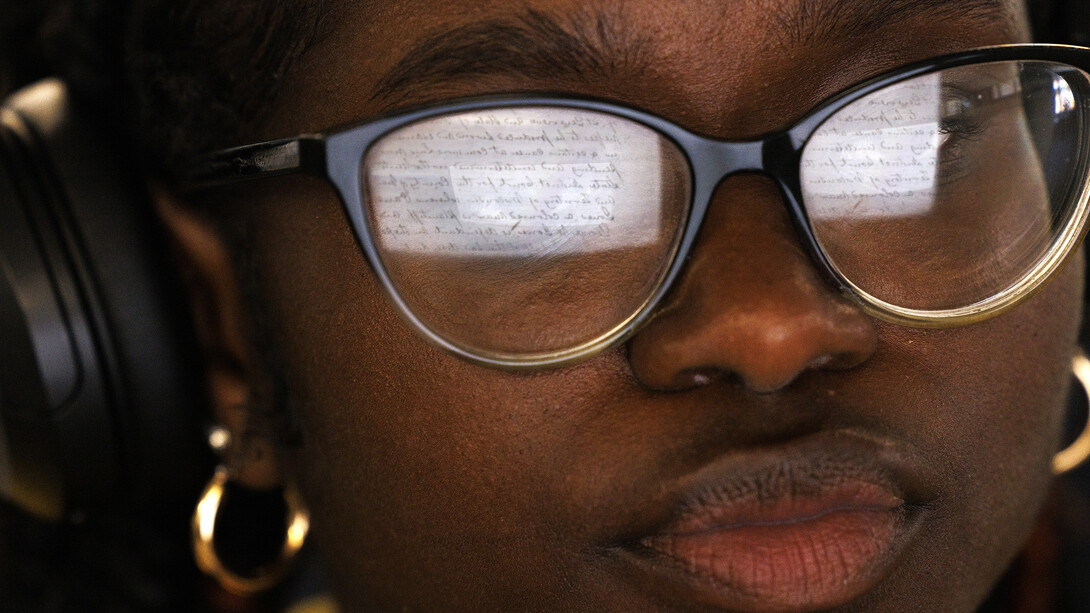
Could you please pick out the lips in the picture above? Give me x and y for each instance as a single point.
(802, 527)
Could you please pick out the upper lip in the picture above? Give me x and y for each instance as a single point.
(783, 492)
(797, 470)
(791, 474)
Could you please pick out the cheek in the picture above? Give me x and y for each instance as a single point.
(410, 458)
(993, 399)
(1016, 370)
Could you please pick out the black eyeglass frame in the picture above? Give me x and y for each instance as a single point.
(337, 155)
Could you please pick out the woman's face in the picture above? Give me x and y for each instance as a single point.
(760, 445)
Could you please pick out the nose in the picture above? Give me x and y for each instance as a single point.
(750, 303)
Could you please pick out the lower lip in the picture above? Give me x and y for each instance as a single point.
(822, 557)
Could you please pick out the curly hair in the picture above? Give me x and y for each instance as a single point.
(177, 76)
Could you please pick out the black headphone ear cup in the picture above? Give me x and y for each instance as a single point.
(100, 394)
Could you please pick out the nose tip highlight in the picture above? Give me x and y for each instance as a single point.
(779, 353)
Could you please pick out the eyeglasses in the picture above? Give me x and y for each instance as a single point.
(529, 231)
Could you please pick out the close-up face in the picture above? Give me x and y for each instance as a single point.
(761, 441)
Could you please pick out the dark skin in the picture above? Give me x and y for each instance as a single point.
(436, 484)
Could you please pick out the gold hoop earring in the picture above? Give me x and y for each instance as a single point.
(1077, 452)
(264, 577)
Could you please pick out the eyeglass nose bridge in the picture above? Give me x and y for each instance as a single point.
(776, 156)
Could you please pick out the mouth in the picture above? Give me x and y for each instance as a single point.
(803, 527)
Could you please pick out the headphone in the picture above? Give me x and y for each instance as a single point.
(101, 396)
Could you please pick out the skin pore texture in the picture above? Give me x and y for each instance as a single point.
(911, 463)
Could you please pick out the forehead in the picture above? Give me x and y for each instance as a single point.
(384, 55)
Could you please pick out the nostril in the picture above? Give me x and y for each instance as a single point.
(840, 361)
(683, 380)
(698, 377)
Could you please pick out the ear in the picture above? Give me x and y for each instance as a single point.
(232, 366)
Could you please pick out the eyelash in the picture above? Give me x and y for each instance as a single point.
(961, 128)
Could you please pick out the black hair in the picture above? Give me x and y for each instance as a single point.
(176, 76)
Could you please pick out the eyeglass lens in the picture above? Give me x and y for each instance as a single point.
(526, 230)
(944, 190)
(529, 230)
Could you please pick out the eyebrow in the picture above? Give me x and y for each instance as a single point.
(534, 45)
(537, 45)
(810, 21)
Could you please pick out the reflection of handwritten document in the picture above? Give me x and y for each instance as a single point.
(878, 157)
(523, 181)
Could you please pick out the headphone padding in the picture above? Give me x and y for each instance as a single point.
(132, 426)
